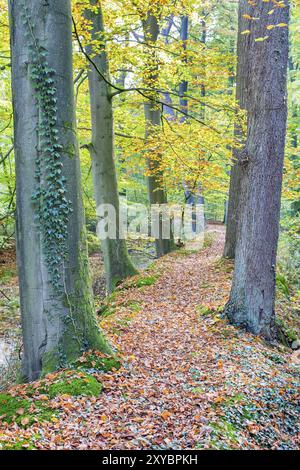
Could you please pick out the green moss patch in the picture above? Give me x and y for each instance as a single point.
(133, 305)
(68, 382)
(34, 401)
(140, 281)
(12, 409)
(183, 252)
(113, 301)
(21, 444)
(24, 411)
(83, 384)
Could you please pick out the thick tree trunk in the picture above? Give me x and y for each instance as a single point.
(241, 96)
(252, 296)
(58, 320)
(117, 263)
(156, 192)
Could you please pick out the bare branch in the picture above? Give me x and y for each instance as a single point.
(6, 155)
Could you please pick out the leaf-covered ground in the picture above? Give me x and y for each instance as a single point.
(188, 379)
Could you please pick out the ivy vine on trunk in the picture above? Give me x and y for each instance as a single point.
(50, 197)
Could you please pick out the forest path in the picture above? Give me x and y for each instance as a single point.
(189, 379)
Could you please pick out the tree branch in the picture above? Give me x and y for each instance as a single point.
(6, 155)
(141, 91)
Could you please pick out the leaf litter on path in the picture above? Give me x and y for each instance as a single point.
(189, 380)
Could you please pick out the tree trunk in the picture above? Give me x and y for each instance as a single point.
(169, 112)
(243, 51)
(193, 196)
(203, 87)
(252, 295)
(294, 136)
(57, 310)
(183, 85)
(156, 192)
(116, 260)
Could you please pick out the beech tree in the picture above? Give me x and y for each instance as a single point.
(116, 260)
(156, 191)
(192, 193)
(56, 301)
(252, 296)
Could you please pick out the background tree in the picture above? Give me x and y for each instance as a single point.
(194, 151)
(116, 260)
(156, 190)
(241, 97)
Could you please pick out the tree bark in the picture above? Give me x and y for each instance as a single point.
(116, 260)
(192, 196)
(294, 136)
(156, 191)
(243, 43)
(58, 323)
(203, 41)
(252, 295)
(183, 85)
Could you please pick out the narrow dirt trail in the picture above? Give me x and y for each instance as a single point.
(151, 404)
(189, 379)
